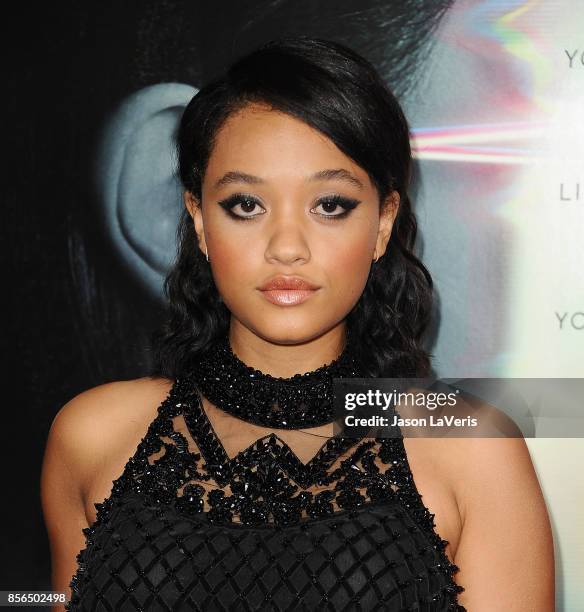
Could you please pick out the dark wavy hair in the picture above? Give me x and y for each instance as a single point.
(338, 92)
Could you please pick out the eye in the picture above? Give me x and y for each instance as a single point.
(247, 204)
(333, 202)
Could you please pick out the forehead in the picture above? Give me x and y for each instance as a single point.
(259, 140)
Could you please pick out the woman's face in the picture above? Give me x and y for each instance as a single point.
(264, 214)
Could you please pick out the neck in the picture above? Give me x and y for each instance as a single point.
(253, 390)
(286, 357)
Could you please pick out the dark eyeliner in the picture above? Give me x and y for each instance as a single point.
(347, 203)
(237, 198)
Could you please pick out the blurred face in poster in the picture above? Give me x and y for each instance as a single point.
(475, 86)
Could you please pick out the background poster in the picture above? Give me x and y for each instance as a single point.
(493, 91)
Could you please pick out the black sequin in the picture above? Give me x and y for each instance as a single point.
(303, 400)
(188, 528)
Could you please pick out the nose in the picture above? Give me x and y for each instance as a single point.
(287, 236)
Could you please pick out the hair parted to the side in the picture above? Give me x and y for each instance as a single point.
(338, 92)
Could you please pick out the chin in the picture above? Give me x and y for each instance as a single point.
(287, 332)
(289, 337)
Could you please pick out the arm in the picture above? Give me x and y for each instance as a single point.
(505, 553)
(66, 467)
(89, 440)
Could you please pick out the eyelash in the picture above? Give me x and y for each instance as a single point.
(347, 203)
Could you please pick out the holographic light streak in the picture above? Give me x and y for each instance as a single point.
(461, 143)
(522, 40)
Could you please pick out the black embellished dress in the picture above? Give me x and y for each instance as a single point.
(188, 528)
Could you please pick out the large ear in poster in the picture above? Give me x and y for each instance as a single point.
(138, 191)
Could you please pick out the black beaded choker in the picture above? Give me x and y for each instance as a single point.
(303, 400)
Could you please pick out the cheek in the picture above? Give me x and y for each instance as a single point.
(348, 268)
(232, 262)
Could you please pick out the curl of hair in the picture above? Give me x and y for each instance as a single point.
(338, 92)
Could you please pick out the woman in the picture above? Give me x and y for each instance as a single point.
(295, 266)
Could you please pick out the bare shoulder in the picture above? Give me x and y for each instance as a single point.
(99, 419)
(504, 524)
(99, 407)
(92, 430)
(108, 399)
(477, 461)
(485, 457)
(482, 465)
(501, 523)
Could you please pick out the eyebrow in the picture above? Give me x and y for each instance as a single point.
(338, 174)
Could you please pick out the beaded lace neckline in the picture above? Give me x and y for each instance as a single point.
(303, 400)
(270, 445)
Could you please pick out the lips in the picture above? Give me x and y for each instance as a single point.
(284, 283)
(288, 290)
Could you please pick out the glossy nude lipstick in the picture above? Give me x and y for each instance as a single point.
(288, 290)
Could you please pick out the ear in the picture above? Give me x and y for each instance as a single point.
(194, 209)
(138, 191)
(386, 220)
